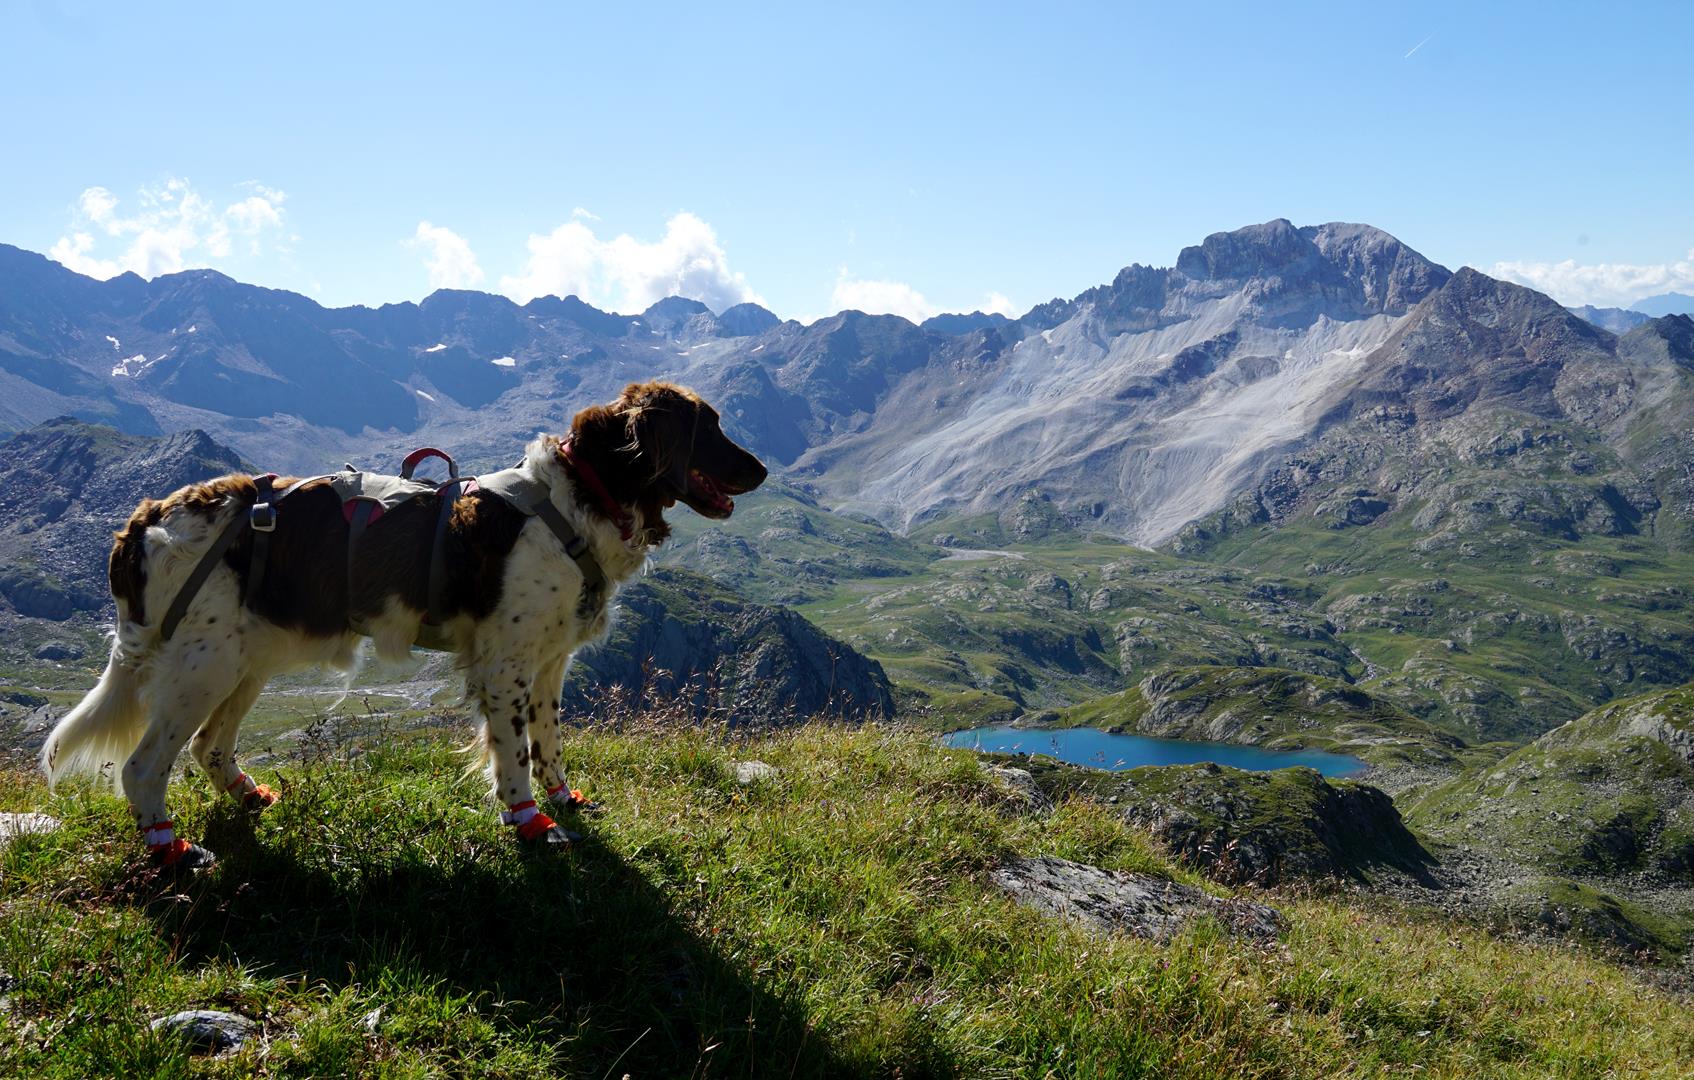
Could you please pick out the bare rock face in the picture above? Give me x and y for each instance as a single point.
(1023, 794)
(208, 1030)
(1139, 904)
(64, 487)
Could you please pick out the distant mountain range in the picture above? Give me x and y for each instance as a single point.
(1135, 408)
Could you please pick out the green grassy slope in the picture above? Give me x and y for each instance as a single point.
(837, 921)
(1611, 792)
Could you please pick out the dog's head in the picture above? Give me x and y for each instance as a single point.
(659, 444)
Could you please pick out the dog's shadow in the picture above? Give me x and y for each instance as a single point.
(571, 947)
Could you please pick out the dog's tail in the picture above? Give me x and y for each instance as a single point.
(99, 734)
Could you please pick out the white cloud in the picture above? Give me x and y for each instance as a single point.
(880, 298)
(897, 298)
(584, 215)
(1601, 284)
(171, 227)
(626, 274)
(999, 304)
(448, 256)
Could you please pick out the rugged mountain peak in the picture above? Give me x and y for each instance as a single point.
(1253, 251)
(1670, 337)
(1348, 265)
(680, 318)
(746, 320)
(954, 325)
(1617, 320)
(65, 487)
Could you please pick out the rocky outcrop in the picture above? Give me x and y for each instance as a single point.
(64, 487)
(208, 1031)
(1113, 901)
(1607, 795)
(679, 634)
(1269, 827)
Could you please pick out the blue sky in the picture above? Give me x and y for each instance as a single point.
(907, 157)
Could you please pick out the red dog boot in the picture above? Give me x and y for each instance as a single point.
(168, 851)
(573, 801)
(536, 828)
(255, 798)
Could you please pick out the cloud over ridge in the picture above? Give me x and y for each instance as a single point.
(1602, 284)
(626, 274)
(171, 227)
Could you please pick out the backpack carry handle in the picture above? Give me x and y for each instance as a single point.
(422, 453)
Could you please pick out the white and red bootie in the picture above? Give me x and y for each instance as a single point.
(569, 800)
(166, 849)
(534, 827)
(254, 798)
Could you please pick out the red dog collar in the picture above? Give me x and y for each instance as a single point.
(620, 517)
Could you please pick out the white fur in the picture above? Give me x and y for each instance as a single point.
(154, 695)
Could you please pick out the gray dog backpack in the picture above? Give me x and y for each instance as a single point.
(365, 497)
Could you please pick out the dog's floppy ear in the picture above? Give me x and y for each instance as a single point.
(661, 425)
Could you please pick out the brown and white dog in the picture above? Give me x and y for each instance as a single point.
(511, 609)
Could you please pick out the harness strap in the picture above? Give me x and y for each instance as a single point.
(363, 511)
(446, 495)
(262, 517)
(593, 577)
(202, 570)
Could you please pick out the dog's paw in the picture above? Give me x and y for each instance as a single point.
(260, 799)
(180, 855)
(575, 802)
(543, 831)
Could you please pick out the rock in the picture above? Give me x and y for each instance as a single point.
(59, 650)
(13, 826)
(208, 1030)
(1138, 904)
(685, 636)
(1271, 827)
(1023, 793)
(748, 773)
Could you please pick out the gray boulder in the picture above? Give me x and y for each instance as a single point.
(1138, 904)
(208, 1030)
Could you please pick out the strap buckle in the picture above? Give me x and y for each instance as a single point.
(262, 517)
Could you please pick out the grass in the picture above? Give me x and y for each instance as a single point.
(836, 921)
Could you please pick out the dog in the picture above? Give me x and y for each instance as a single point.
(514, 603)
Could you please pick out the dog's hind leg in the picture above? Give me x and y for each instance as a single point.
(502, 690)
(214, 748)
(546, 750)
(203, 672)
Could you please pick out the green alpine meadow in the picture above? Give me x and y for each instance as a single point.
(903, 541)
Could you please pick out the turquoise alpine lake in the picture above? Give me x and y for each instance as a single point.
(1107, 750)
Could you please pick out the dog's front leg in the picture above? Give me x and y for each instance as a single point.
(546, 750)
(502, 691)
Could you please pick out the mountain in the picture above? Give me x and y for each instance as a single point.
(1360, 466)
(1134, 408)
(681, 634)
(1671, 303)
(1617, 320)
(65, 487)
